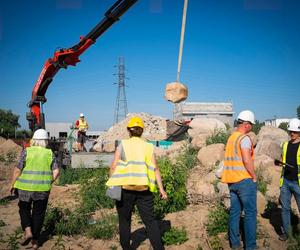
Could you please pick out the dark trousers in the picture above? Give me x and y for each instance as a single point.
(145, 204)
(32, 215)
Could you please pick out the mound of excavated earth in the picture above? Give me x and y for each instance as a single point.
(155, 129)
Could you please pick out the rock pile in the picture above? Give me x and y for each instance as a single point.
(155, 130)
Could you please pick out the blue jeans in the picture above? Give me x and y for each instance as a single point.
(243, 197)
(288, 188)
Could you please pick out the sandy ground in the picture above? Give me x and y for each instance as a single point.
(193, 219)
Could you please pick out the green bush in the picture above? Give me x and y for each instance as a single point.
(219, 136)
(174, 180)
(105, 229)
(262, 182)
(75, 175)
(175, 236)
(217, 221)
(2, 223)
(284, 126)
(93, 191)
(188, 158)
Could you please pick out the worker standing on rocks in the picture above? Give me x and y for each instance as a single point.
(239, 173)
(290, 175)
(82, 127)
(134, 168)
(36, 171)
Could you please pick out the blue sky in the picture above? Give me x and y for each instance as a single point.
(244, 51)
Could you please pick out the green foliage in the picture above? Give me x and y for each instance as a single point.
(106, 228)
(23, 133)
(9, 122)
(2, 223)
(93, 191)
(283, 125)
(294, 239)
(174, 176)
(219, 136)
(175, 236)
(217, 221)
(262, 181)
(3, 202)
(12, 241)
(59, 244)
(174, 180)
(215, 243)
(257, 126)
(75, 175)
(298, 112)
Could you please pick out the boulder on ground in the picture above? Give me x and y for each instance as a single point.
(272, 133)
(253, 137)
(206, 126)
(208, 156)
(261, 202)
(268, 147)
(199, 141)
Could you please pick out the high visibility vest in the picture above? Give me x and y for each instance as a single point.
(37, 173)
(284, 151)
(137, 169)
(234, 168)
(82, 125)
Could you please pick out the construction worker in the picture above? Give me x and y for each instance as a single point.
(134, 168)
(82, 127)
(240, 175)
(290, 175)
(36, 171)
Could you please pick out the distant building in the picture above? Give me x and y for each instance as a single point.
(276, 122)
(58, 129)
(222, 111)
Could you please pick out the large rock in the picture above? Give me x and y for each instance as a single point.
(176, 92)
(224, 194)
(199, 141)
(263, 161)
(253, 137)
(206, 126)
(268, 147)
(261, 202)
(209, 155)
(272, 133)
(200, 188)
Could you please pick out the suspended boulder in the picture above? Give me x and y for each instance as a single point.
(176, 92)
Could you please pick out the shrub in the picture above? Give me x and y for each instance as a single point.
(93, 191)
(217, 221)
(261, 181)
(257, 126)
(75, 175)
(2, 223)
(219, 136)
(284, 126)
(174, 180)
(188, 158)
(106, 228)
(175, 236)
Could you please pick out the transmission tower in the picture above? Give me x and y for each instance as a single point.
(121, 102)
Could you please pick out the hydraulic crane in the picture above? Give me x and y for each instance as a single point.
(66, 57)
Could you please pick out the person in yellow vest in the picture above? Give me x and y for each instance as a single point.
(134, 168)
(290, 175)
(82, 127)
(240, 175)
(36, 171)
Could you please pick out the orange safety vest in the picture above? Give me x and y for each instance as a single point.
(234, 168)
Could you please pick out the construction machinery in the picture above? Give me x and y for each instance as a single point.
(62, 59)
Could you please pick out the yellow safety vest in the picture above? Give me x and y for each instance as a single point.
(234, 168)
(82, 125)
(284, 151)
(137, 169)
(37, 174)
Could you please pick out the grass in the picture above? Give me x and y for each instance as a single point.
(175, 236)
(218, 136)
(217, 221)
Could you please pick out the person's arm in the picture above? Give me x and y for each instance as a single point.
(162, 192)
(117, 157)
(16, 174)
(248, 162)
(55, 174)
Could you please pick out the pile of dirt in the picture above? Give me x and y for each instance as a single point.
(9, 146)
(155, 129)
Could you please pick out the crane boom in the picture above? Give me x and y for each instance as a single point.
(66, 57)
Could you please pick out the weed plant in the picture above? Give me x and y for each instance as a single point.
(2, 223)
(262, 182)
(75, 175)
(174, 176)
(217, 221)
(93, 191)
(175, 236)
(218, 136)
(106, 228)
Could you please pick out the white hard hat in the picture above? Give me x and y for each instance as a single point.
(40, 134)
(294, 125)
(81, 115)
(246, 116)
